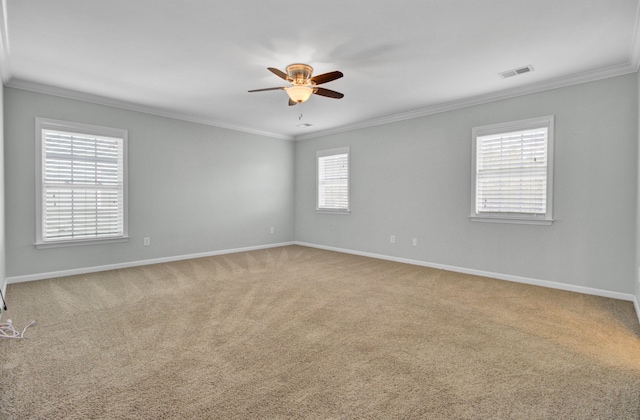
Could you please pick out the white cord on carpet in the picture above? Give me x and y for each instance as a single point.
(8, 331)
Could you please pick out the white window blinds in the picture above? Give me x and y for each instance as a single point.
(333, 180)
(512, 170)
(83, 186)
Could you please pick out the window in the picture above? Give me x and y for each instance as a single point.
(81, 184)
(333, 181)
(513, 172)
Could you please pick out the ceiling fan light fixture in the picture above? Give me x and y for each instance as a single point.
(302, 84)
(299, 93)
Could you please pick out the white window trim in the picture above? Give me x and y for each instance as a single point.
(45, 123)
(329, 152)
(520, 125)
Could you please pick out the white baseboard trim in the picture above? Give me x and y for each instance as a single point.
(499, 276)
(95, 269)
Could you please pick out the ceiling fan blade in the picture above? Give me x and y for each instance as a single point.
(292, 102)
(326, 77)
(328, 93)
(262, 90)
(279, 73)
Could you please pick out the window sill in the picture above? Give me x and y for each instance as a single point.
(60, 244)
(512, 220)
(330, 211)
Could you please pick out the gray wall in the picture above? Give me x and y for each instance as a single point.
(192, 188)
(198, 189)
(412, 178)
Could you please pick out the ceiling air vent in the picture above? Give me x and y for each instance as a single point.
(515, 72)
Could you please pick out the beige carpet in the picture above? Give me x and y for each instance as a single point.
(296, 332)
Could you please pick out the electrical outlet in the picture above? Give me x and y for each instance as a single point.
(392, 239)
(147, 241)
(273, 230)
(414, 242)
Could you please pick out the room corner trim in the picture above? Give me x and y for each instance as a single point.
(635, 45)
(5, 64)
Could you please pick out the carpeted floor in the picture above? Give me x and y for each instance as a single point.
(296, 332)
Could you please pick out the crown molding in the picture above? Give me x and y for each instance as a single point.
(557, 83)
(571, 80)
(115, 103)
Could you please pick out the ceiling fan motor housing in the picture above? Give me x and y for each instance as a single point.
(299, 73)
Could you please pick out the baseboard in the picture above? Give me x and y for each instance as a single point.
(499, 276)
(95, 269)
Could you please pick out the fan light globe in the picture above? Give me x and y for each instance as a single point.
(299, 94)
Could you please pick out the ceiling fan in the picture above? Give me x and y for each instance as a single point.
(302, 84)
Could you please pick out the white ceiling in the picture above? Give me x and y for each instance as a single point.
(196, 59)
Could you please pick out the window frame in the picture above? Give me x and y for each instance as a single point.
(332, 152)
(43, 124)
(504, 128)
